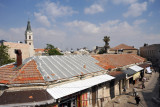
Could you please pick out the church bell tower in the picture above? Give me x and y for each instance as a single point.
(29, 39)
(29, 35)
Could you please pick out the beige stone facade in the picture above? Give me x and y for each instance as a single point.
(102, 95)
(151, 53)
(25, 48)
(123, 49)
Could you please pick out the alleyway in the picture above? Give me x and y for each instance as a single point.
(146, 94)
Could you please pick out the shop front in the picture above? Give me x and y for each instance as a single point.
(136, 77)
(76, 94)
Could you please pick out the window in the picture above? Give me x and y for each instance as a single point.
(29, 37)
(29, 43)
(129, 52)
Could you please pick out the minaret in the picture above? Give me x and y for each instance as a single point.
(29, 38)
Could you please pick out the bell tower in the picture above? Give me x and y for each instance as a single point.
(29, 38)
(29, 35)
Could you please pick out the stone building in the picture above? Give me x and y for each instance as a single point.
(98, 49)
(27, 48)
(39, 52)
(29, 39)
(123, 48)
(151, 53)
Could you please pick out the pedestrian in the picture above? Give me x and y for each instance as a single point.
(155, 69)
(134, 91)
(124, 89)
(137, 98)
(133, 82)
(143, 85)
(144, 79)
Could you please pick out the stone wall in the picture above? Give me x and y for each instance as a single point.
(151, 53)
(124, 51)
(130, 51)
(26, 50)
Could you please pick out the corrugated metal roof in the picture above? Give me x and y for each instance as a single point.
(132, 70)
(136, 68)
(60, 67)
(73, 87)
(129, 72)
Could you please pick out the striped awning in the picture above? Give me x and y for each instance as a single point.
(73, 87)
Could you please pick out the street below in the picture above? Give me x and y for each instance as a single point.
(146, 95)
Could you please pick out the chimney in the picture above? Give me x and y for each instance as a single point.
(19, 57)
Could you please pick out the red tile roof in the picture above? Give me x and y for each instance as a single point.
(28, 73)
(38, 50)
(109, 61)
(123, 46)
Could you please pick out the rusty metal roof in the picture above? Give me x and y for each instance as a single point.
(24, 98)
(109, 61)
(117, 74)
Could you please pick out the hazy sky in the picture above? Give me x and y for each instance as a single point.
(81, 23)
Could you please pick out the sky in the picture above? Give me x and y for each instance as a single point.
(76, 24)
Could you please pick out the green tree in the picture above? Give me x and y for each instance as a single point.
(106, 39)
(101, 51)
(51, 50)
(4, 57)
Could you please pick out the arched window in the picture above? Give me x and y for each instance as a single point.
(29, 43)
(29, 37)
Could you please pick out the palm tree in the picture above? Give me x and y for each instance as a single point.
(106, 40)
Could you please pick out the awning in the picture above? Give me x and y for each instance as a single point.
(136, 68)
(118, 74)
(129, 72)
(137, 75)
(73, 87)
(149, 70)
(144, 65)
